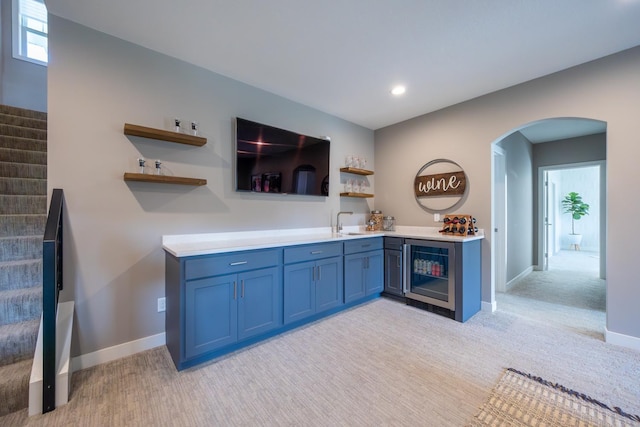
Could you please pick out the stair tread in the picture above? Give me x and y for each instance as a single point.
(12, 293)
(28, 122)
(14, 386)
(22, 143)
(35, 236)
(23, 112)
(21, 262)
(23, 336)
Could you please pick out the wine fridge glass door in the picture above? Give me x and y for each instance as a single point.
(429, 272)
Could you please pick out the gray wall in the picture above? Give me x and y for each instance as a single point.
(23, 84)
(114, 264)
(519, 204)
(607, 90)
(581, 149)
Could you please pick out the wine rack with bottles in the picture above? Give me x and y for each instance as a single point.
(459, 225)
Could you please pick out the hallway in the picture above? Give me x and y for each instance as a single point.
(569, 295)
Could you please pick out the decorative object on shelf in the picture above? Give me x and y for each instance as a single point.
(141, 162)
(177, 125)
(434, 191)
(355, 162)
(158, 169)
(163, 135)
(577, 208)
(459, 225)
(194, 128)
(354, 187)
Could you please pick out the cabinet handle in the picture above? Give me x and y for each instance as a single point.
(398, 261)
(242, 289)
(238, 263)
(367, 245)
(316, 252)
(235, 290)
(318, 273)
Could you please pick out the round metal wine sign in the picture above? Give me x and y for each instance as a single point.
(440, 186)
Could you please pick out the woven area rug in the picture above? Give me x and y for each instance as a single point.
(520, 399)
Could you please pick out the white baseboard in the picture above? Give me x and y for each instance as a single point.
(489, 306)
(117, 351)
(621, 339)
(524, 273)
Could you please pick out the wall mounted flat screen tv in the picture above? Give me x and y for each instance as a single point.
(273, 160)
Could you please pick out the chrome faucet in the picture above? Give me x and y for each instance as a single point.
(338, 225)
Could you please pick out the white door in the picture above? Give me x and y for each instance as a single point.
(546, 221)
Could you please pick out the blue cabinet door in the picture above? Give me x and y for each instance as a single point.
(210, 314)
(259, 301)
(329, 292)
(299, 291)
(393, 272)
(354, 281)
(374, 272)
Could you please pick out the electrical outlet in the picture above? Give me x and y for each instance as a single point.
(436, 217)
(162, 304)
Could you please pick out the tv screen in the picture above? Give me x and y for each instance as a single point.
(273, 160)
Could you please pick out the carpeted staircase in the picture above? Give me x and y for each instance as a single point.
(23, 209)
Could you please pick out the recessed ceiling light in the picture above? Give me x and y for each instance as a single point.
(398, 90)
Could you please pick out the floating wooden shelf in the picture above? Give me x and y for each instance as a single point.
(356, 171)
(165, 179)
(360, 195)
(164, 135)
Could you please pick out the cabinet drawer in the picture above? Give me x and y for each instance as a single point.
(362, 245)
(216, 265)
(394, 243)
(312, 252)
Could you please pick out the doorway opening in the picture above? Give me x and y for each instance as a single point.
(543, 275)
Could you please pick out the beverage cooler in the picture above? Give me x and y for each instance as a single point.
(429, 270)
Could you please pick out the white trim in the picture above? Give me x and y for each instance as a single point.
(489, 306)
(524, 273)
(621, 339)
(64, 329)
(117, 351)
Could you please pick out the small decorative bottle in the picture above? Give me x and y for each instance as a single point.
(177, 122)
(194, 128)
(141, 162)
(158, 170)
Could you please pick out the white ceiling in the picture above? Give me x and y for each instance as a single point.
(562, 128)
(343, 56)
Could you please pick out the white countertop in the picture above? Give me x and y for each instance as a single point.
(184, 245)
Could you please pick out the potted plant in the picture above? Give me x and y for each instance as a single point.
(573, 204)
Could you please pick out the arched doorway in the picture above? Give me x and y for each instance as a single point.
(520, 223)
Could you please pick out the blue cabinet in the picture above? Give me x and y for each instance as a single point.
(220, 303)
(313, 280)
(217, 301)
(363, 268)
(224, 309)
(393, 266)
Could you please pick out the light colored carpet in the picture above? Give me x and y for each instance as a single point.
(383, 363)
(524, 400)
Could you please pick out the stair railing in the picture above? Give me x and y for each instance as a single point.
(52, 285)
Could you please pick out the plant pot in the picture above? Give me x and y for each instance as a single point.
(574, 241)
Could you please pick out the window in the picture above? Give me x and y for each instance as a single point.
(30, 31)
